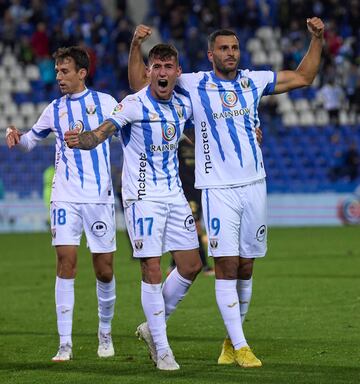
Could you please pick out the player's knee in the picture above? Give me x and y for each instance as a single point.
(105, 276)
(246, 270)
(226, 268)
(66, 268)
(190, 270)
(151, 272)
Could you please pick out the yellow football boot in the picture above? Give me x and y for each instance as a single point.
(246, 359)
(227, 353)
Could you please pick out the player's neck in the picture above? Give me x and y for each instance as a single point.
(78, 92)
(226, 75)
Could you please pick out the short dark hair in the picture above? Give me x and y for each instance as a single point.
(77, 53)
(163, 52)
(219, 32)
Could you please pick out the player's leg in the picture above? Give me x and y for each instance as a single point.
(146, 224)
(180, 238)
(222, 212)
(244, 285)
(178, 282)
(66, 230)
(106, 295)
(195, 205)
(253, 240)
(99, 226)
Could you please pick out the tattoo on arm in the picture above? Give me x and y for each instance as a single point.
(90, 139)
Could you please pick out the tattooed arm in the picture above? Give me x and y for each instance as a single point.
(89, 139)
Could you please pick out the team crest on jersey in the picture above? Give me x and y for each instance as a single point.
(78, 124)
(214, 243)
(189, 223)
(229, 98)
(90, 109)
(261, 234)
(180, 112)
(117, 109)
(245, 82)
(168, 131)
(138, 244)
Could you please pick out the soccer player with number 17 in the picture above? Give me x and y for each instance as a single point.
(229, 167)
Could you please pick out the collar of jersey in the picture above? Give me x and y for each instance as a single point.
(217, 79)
(150, 96)
(77, 96)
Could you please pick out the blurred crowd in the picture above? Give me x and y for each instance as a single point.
(34, 29)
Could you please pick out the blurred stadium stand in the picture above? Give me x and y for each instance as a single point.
(305, 148)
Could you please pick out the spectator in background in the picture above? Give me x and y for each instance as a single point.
(40, 41)
(331, 95)
(352, 88)
(352, 162)
(24, 51)
(8, 30)
(47, 74)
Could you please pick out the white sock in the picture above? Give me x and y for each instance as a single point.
(174, 289)
(154, 308)
(228, 303)
(244, 290)
(106, 295)
(64, 300)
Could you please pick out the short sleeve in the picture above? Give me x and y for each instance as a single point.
(43, 127)
(124, 112)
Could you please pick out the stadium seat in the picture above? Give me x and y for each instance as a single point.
(254, 45)
(290, 118)
(32, 72)
(9, 60)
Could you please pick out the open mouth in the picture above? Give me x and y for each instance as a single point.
(163, 83)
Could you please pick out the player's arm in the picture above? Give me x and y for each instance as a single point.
(305, 73)
(24, 141)
(137, 72)
(89, 139)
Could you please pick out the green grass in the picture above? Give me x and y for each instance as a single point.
(304, 319)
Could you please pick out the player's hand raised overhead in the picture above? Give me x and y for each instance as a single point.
(315, 27)
(142, 32)
(12, 136)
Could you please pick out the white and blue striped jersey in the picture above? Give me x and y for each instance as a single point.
(225, 117)
(80, 176)
(150, 130)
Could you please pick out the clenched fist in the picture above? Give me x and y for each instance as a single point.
(315, 27)
(142, 32)
(12, 136)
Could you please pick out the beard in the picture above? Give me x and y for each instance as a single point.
(223, 68)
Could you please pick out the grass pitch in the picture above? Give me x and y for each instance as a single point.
(303, 323)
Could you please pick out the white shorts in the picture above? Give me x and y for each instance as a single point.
(69, 220)
(156, 228)
(235, 220)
